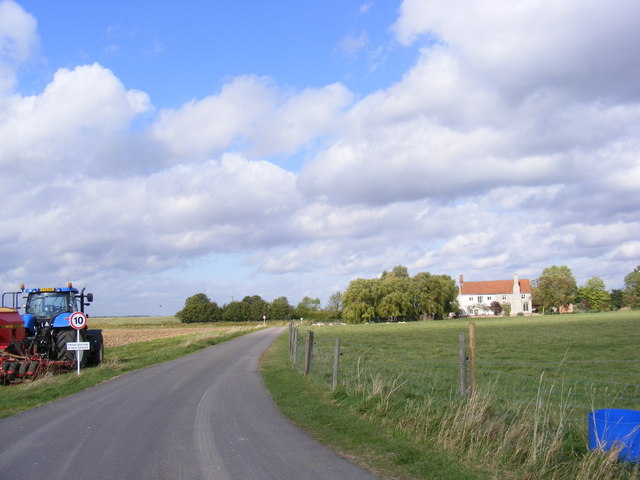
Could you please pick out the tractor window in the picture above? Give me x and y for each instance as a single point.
(49, 304)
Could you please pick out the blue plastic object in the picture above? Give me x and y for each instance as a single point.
(616, 428)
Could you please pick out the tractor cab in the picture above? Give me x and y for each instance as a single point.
(46, 305)
(51, 307)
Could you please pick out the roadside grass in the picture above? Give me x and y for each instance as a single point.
(538, 377)
(117, 361)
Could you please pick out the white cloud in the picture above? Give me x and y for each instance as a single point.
(18, 40)
(206, 127)
(80, 110)
(352, 44)
(629, 251)
(18, 35)
(365, 7)
(299, 118)
(583, 47)
(250, 112)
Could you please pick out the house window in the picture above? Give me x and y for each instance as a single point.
(525, 306)
(471, 299)
(488, 299)
(479, 298)
(504, 297)
(523, 296)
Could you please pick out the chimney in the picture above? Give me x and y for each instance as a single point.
(516, 284)
(461, 279)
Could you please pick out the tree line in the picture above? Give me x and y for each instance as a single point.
(556, 289)
(396, 296)
(199, 308)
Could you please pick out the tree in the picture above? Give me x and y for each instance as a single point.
(594, 296)
(198, 308)
(255, 308)
(360, 300)
(632, 289)
(617, 298)
(235, 312)
(197, 299)
(307, 305)
(397, 300)
(358, 312)
(335, 304)
(395, 296)
(279, 309)
(556, 288)
(435, 295)
(496, 307)
(399, 271)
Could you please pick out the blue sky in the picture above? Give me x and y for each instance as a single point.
(153, 150)
(176, 52)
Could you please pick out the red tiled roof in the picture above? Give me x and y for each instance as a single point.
(494, 287)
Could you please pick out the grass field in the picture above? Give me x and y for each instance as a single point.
(588, 360)
(537, 378)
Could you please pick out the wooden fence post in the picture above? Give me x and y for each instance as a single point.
(290, 338)
(308, 353)
(472, 357)
(294, 352)
(463, 366)
(336, 364)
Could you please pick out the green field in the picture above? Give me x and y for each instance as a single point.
(537, 379)
(588, 360)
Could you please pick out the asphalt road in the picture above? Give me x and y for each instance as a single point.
(204, 416)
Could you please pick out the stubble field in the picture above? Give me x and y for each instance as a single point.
(119, 331)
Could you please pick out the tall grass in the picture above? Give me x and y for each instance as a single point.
(538, 378)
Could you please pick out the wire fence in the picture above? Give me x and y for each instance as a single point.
(578, 385)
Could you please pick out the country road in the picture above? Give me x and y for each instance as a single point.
(204, 416)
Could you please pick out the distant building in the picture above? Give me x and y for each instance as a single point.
(475, 298)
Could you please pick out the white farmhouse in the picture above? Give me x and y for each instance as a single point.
(475, 298)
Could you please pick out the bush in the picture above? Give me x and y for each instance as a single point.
(198, 308)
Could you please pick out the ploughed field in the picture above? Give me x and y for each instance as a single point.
(117, 331)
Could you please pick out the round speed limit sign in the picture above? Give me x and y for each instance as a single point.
(78, 320)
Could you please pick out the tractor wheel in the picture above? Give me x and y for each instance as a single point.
(62, 338)
(97, 347)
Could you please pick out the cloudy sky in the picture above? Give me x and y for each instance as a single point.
(152, 150)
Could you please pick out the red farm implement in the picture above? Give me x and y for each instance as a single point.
(36, 342)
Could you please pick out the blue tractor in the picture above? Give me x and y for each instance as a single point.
(47, 328)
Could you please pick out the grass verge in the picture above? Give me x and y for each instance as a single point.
(328, 417)
(538, 378)
(118, 360)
